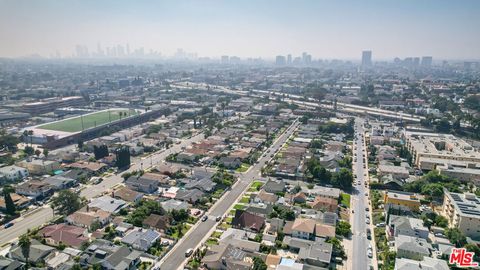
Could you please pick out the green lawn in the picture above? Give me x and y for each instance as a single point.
(243, 168)
(218, 193)
(257, 184)
(239, 207)
(346, 199)
(224, 226)
(216, 234)
(245, 199)
(89, 121)
(184, 231)
(211, 242)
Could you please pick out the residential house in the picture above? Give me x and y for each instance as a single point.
(93, 168)
(324, 230)
(161, 179)
(174, 204)
(59, 182)
(127, 195)
(57, 234)
(77, 174)
(141, 239)
(324, 204)
(412, 247)
(326, 192)
(240, 239)
(227, 257)
(261, 209)
(205, 185)
(274, 186)
(19, 201)
(248, 221)
(426, 263)
(39, 166)
(38, 190)
(12, 173)
(303, 228)
(264, 197)
(36, 254)
(85, 218)
(316, 253)
(140, 184)
(402, 225)
(9, 264)
(186, 157)
(319, 253)
(158, 222)
(190, 196)
(110, 256)
(398, 172)
(107, 204)
(230, 162)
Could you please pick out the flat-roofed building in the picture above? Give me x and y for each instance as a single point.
(429, 150)
(462, 212)
(471, 173)
(402, 199)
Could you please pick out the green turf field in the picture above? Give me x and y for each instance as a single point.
(89, 121)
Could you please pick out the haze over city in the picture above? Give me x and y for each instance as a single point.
(325, 29)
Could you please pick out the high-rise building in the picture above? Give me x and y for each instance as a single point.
(280, 60)
(416, 61)
(289, 59)
(366, 58)
(427, 61)
(225, 59)
(308, 59)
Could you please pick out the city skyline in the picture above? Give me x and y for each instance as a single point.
(216, 28)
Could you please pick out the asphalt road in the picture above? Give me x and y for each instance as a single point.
(31, 220)
(360, 202)
(176, 257)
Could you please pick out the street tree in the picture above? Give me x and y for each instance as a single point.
(66, 202)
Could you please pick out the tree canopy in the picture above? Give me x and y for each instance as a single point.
(66, 202)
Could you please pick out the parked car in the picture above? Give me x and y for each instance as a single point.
(8, 225)
(218, 218)
(188, 252)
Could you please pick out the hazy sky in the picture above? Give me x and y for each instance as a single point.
(325, 29)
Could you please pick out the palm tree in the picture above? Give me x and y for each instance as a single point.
(45, 152)
(30, 133)
(25, 135)
(24, 243)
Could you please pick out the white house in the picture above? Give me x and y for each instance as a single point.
(12, 173)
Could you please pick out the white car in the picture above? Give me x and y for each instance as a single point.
(369, 253)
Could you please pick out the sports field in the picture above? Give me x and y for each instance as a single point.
(88, 121)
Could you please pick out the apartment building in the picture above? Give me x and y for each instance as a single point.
(430, 150)
(400, 199)
(462, 212)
